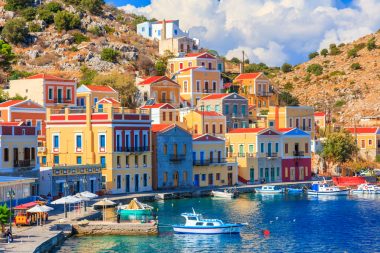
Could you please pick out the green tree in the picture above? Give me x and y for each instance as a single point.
(160, 67)
(14, 5)
(315, 69)
(29, 13)
(17, 74)
(88, 75)
(334, 50)
(355, 66)
(124, 84)
(92, 6)
(286, 67)
(65, 20)
(371, 44)
(235, 60)
(339, 148)
(79, 38)
(324, 52)
(287, 99)
(5, 214)
(6, 56)
(45, 15)
(313, 55)
(15, 30)
(109, 54)
(53, 7)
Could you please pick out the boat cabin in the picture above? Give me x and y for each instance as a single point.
(196, 220)
(323, 187)
(268, 188)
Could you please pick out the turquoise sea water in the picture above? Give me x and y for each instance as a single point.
(297, 224)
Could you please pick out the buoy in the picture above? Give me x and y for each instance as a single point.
(266, 232)
(271, 222)
(294, 220)
(276, 218)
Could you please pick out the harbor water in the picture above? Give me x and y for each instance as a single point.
(296, 224)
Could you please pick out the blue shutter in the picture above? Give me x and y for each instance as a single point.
(56, 141)
(79, 141)
(102, 141)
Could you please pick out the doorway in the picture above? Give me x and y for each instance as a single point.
(136, 182)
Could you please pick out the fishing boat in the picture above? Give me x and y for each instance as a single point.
(268, 189)
(196, 224)
(135, 207)
(319, 188)
(225, 194)
(366, 189)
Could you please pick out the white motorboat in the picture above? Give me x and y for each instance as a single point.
(196, 224)
(319, 188)
(225, 194)
(268, 189)
(366, 189)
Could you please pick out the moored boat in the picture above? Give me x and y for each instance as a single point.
(319, 188)
(268, 189)
(366, 189)
(196, 224)
(135, 207)
(225, 194)
(294, 191)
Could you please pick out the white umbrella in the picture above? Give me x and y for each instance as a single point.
(84, 198)
(66, 200)
(36, 209)
(89, 194)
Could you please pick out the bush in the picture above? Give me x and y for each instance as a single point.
(29, 13)
(34, 27)
(324, 52)
(92, 6)
(286, 67)
(65, 20)
(287, 99)
(45, 15)
(359, 46)
(109, 29)
(315, 69)
(352, 53)
(341, 45)
(79, 38)
(110, 55)
(17, 74)
(337, 73)
(235, 60)
(15, 30)
(340, 103)
(313, 55)
(6, 55)
(14, 5)
(355, 66)
(334, 50)
(371, 44)
(53, 7)
(96, 30)
(288, 86)
(88, 75)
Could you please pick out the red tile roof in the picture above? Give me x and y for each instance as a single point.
(206, 137)
(245, 130)
(248, 76)
(362, 130)
(10, 103)
(108, 100)
(158, 105)
(11, 123)
(319, 114)
(216, 96)
(102, 88)
(189, 68)
(210, 113)
(49, 78)
(201, 55)
(284, 130)
(161, 127)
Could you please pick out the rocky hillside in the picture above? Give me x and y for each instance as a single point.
(344, 82)
(49, 48)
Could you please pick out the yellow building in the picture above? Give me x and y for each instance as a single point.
(368, 141)
(257, 88)
(198, 122)
(116, 138)
(204, 59)
(210, 167)
(301, 117)
(96, 93)
(257, 152)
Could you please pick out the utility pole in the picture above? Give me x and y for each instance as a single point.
(11, 194)
(242, 65)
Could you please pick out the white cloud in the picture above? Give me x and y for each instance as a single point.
(271, 31)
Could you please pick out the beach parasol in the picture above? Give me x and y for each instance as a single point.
(66, 200)
(104, 202)
(88, 194)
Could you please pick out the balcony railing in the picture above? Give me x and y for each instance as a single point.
(132, 149)
(265, 93)
(62, 100)
(298, 153)
(218, 160)
(21, 163)
(237, 115)
(241, 154)
(271, 155)
(201, 162)
(209, 91)
(165, 100)
(177, 157)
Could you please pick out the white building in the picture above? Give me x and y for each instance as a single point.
(165, 29)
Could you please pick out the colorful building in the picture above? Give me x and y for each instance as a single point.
(46, 90)
(295, 155)
(163, 113)
(210, 167)
(231, 105)
(96, 93)
(160, 30)
(257, 88)
(320, 119)
(172, 156)
(257, 151)
(368, 141)
(18, 149)
(23, 188)
(160, 89)
(203, 59)
(198, 122)
(178, 46)
(116, 139)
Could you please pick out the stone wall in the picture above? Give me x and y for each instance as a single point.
(111, 228)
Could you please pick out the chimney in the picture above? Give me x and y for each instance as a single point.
(163, 30)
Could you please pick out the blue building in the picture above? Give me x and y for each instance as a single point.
(172, 157)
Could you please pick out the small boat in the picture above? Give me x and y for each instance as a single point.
(319, 188)
(366, 189)
(293, 191)
(226, 193)
(196, 224)
(135, 207)
(268, 189)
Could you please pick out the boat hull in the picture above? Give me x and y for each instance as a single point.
(228, 195)
(365, 191)
(268, 192)
(135, 212)
(226, 229)
(333, 193)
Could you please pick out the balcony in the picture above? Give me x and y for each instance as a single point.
(209, 91)
(165, 100)
(271, 155)
(218, 161)
(177, 157)
(132, 149)
(298, 153)
(201, 162)
(62, 100)
(241, 155)
(265, 93)
(21, 163)
(237, 116)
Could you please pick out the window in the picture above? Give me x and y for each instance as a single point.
(217, 176)
(118, 181)
(213, 129)
(55, 141)
(145, 180)
(278, 171)
(127, 161)
(217, 108)
(79, 160)
(95, 100)
(43, 160)
(68, 94)
(306, 172)
(221, 128)
(33, 152)
(208, 108)
(206, 128)
(144, 160)
(250, 148)
(6, 155)
(165, 149)
(102, 142)
(235, 109)
(214, 86)
(226, 109)
(306, 148)
(136, 161)
(290, 122)
(203, 177)
(276, 147)
(198, 86)
(370, 142)
(243, 111)
(206, 87)
(164, 116)
(286, 148)
(184, 86)
(184, 149)
(50, 95)
(181, 65)
(103, 161)
(28, 122)
(78, 141)
(261, 172)
(118, 161)
(170, 116)
(286, 172)
(262, 147)
(297, 123)
(56, 159)
(196, 129)
(363, 143)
